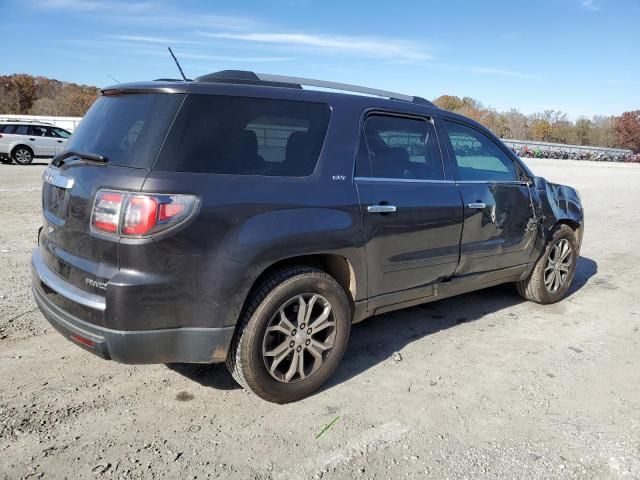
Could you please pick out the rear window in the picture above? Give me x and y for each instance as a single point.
(245, 136)
(126, 129)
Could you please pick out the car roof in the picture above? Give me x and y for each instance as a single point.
(243, 83)
(26, 122)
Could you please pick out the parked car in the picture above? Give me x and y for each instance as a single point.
(240, 218)
(24, 141)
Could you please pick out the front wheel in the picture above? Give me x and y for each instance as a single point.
(291, 336)
(554, 271)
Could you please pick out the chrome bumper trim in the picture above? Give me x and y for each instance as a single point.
(58, 285)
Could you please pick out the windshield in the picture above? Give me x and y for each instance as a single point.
(126, 129)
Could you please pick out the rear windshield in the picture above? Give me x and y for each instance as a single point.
(126, 129)
(245, 136)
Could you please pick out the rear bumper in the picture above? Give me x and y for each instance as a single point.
(171, 345)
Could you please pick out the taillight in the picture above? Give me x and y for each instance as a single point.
(139, 214)
(106, 211)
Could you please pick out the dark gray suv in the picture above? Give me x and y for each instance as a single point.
(242, 218)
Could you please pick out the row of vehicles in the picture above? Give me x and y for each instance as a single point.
(22, 141)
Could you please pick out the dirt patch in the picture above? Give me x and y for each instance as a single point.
(480, 386)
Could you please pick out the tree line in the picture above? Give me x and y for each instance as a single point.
(26, 94)
(551, 125)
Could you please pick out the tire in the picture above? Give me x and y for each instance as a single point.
(540, 287)
(266, 349)
(22, 155)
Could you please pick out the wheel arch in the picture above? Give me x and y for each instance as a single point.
(574, 225)
(17, 145)
(336, 265)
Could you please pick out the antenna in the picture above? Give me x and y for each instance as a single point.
(178, 64)
(113, 78)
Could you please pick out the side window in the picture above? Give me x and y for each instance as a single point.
(477, 156)
(22, 130)
(60, 133)
(38, 131)
(245, 136)
(399, 147)
(10, 129)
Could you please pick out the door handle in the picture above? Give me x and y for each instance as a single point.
(381, 208)
(59, 141)
(32, 139)
(477, 205)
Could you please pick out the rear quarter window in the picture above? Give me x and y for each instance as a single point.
(245, 136)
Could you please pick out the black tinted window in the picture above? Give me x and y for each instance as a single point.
(22, 130)
(398, 147)
(126, 129)
(477, 156)
(9, 128)
(245, 136)
(38, 131)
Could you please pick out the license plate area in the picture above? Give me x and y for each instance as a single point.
(55, 200)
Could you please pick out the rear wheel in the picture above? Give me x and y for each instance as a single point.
(553, 273)
(22, 155)
(291, 336)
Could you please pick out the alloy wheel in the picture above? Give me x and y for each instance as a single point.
(558, 266)
(23, 155)
(299, 338)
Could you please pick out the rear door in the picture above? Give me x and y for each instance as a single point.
(126, 129)
(411, 213)
(499, 221)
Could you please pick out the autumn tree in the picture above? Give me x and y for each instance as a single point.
(449, 102)
(517, 124)
(627, 128)
(25, 88)
(603, 131)
(541, 130)
(583, 131)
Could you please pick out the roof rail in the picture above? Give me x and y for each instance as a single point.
(24, 120)
(240, 76)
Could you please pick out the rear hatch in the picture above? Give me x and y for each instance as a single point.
(115, 144)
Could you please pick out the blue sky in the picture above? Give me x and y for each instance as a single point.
(579, 56)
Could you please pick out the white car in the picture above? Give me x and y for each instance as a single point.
(24, 141)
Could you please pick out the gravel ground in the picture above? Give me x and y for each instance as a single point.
(484, 385)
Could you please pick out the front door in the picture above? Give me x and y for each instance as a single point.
(499, 222)
(42, 144)
(411, 214)
(60, 137)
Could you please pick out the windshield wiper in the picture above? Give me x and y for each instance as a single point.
(93, 157)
